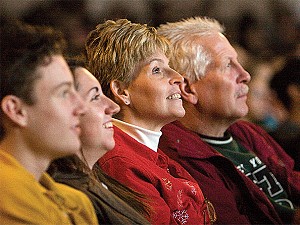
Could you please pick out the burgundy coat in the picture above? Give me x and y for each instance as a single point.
(236, 198)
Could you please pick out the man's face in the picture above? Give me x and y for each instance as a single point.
(222, 92)
(53, 121)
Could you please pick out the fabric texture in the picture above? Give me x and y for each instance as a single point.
(110, 209)
(27, 201)
(237, 200)
(173, 194)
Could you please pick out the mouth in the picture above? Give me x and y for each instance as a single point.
(108, 125)
(243, 92)
(174, 96)
(77, 129)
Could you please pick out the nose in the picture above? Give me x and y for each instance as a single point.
(244, 76)
(112, 107)
(176, 78)
(80, 105)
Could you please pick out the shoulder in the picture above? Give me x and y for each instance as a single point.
(15, 179)
(173, 128)
(72, 199)
(71, 194)
(247, 130)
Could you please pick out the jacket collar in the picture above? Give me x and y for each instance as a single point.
(186, 142)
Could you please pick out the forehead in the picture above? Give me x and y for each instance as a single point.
(54, 73)
(218, 44)
(85, 80)
(158, 56)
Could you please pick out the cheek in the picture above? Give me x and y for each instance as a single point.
(91, 124)
(146, 97)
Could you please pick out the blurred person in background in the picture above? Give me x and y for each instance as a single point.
(264, 109)
(286, 86)
(70, 17)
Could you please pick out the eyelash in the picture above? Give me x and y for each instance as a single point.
(156, 70)
(65, 92)
(96, 97)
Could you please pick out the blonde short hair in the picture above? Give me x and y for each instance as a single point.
(115, 48)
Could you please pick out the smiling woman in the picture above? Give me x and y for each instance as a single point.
(131, 62)
(113, 202)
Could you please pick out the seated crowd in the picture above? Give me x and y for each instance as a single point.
(144, 127)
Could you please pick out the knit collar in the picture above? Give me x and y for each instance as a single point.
(226, 139)
(147, 137)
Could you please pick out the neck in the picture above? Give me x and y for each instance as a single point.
(31, 160)
(202, 123)
(147, 137)
(90, 155)
(150, 123)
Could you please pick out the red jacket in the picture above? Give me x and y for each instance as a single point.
(237, 200)
(173, 194)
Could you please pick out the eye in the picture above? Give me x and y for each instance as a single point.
(156, 70)
(65, 93)
(228, 64)
(95, 97)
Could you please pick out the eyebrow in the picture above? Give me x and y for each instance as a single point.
(66, 83)
(156, 59)
(94, 88)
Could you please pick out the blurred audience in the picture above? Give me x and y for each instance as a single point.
(70, 17)
(286, 86)
(253, 37)
(264, 110)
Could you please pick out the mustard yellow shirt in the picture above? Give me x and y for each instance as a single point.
(24, 200)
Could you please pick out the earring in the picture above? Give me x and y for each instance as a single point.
(126, 102)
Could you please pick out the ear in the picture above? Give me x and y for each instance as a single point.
(12, 107)
(188, 93)
(294, 91)
(120, 92)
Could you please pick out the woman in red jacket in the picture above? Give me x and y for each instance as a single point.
(131, 62)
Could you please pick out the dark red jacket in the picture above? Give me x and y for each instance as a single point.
(236, 198)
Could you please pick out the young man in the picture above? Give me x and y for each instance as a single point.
(40, 112)
(231, 160)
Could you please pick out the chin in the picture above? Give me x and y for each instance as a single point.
(244, 112)
(67, 151)
(180, 113)
(109, 146)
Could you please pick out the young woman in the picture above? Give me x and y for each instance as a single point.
(131, 62)
(113, 202)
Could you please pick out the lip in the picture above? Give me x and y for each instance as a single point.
(242, 96)
(243, 92)
(77, 129)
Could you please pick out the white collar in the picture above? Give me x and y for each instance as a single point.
(147, 137)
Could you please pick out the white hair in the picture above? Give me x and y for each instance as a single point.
(189, 57)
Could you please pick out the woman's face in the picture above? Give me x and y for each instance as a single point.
(96, 123)
(154, 95)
